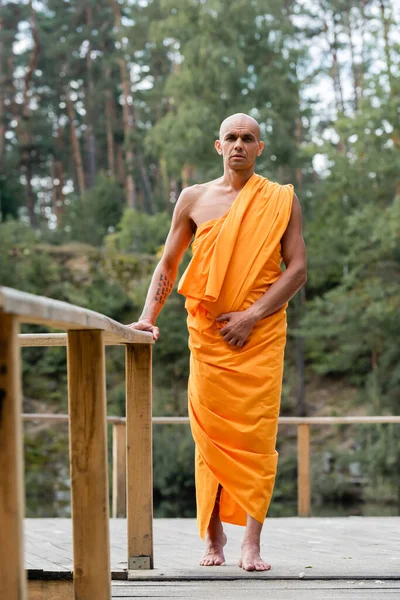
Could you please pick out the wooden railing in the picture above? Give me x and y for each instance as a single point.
(303, 424)
(87, 333)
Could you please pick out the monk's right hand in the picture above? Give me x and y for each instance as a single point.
(145, 325)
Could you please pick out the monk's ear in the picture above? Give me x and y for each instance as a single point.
(217, 146)
(260, 148)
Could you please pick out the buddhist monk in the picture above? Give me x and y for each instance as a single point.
(242, 227)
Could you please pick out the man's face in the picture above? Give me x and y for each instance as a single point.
(239, 144)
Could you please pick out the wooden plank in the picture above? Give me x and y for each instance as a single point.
(50, 590)
(36, 340)
(139, 456)
(88, 461)
(119, 471)
(357, 420)
(12, 574)
(303, 462)
(347, 420)
(47, 340)
(62, 315)
(58, 418)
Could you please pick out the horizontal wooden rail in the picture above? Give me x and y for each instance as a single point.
(51, 340)
(29, 308)
(303, 449)
(370, 420)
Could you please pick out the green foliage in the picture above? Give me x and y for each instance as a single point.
(11, 194)
(174, 492)
(171, 353)
(99, 211)
(138, 232)
(47, 473)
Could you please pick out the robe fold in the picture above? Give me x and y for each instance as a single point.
(234, 393)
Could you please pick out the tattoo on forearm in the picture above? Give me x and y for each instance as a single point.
(164, 288)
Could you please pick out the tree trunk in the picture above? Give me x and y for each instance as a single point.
(109, 122)
(127, 114)
(90, 157)
(335, 68)
(60, 175)
(362, 33)
(120, 164)
(90, 94)
(164, 182)
(53, 175)
(386, 25)
(127, 119)
(349, 27)
(148, 192)
(26, 165)
(76, 149)
(57, 179)
(335, 75)
(23, 123)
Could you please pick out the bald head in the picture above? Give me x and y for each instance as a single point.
(239, 121)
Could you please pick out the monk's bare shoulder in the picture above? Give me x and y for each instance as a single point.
(191, 198)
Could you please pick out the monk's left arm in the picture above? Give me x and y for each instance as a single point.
(295, 275)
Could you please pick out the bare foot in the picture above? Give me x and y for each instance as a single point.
(251, 559)
(214, 554)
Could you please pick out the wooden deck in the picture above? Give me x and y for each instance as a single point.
(352, 548)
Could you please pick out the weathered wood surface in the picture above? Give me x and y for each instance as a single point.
(303, 480)
(233, 590)
(88, 464)
(119, 471)
(321, 548)
(59, 418)
(139, 456)
(259, 590)
(12, 576)
(50, 340)
(62, 315)
(50, 590)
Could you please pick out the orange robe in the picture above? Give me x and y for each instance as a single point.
(234, 393)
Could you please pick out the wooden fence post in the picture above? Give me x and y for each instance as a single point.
(12, 574)
(303, 477)
(88, 462)
(119, 471)
(139, 456)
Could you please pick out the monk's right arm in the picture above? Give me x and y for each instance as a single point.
(164, 276)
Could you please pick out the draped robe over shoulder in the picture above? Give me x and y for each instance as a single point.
(234, 393)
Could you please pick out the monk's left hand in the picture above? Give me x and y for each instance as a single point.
(238, 328)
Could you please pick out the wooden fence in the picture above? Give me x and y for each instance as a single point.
(87, 333)
(303, 424)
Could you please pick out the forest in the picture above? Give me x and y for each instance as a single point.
(108, 109)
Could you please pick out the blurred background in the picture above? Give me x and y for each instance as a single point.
(108, 108)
